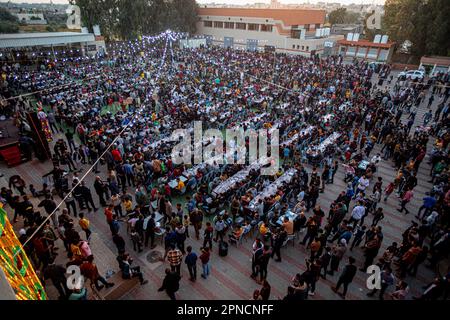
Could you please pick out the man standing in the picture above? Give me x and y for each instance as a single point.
(175, 257)
(257, 251)
(263, 262)
(57, 274)
(87, 196)
(100, 189)
(324, 262)
(171, 283)
(191, 262)
(357, 214)
(346, 277)
(150, 231)
(220, 228)
(387, 280)
(405, 200)
(363, 184)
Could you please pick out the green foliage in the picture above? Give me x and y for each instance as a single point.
(6, 16)
(423, 22)
(8, 22)
(51, 28)
(128, 19)
(9, 27)
(342, 16)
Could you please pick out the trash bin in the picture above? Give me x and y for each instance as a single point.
(223, 249)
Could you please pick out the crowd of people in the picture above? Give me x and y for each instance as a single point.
(117, 113)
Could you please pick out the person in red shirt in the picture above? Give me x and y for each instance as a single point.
(89, 269)
(204, 258)
(109, 214)
(116, 155)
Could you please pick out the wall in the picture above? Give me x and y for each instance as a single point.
(282, 42)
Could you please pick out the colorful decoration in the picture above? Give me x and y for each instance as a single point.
(17, 268)
(42, 116)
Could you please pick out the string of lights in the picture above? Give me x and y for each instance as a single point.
(128, 124)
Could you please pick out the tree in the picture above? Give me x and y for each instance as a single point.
(8, 22)
(341, 16)
(337, 16)
(129, 19)
(423, 22)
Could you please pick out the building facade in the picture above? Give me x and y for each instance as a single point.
(285, 30)
(366, 50)
(435, 64)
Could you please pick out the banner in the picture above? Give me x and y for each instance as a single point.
(18, 269)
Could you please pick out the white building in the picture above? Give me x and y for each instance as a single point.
(296, 31)
(31, 18)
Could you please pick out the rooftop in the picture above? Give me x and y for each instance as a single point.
(366, 43)
(29, 35)
(288, 16)
(438, 60)
(15, 40)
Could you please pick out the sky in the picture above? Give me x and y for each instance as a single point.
(232, 1)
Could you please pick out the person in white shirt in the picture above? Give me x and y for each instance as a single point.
(358, 212)
(375, 159)
(363, 184)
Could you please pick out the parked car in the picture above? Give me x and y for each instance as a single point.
(412, 74)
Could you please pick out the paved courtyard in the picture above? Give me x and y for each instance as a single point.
(230, 276)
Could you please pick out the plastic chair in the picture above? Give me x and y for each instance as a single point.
(290, 237)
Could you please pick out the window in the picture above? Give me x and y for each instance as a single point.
(218, 24)
(303, 47)
(229, 25)
(372, 54)
(207, 24)
(293, 46)
(351, 52)
(307, 48)
(241, 26)
(361, 52)
(266, 27)
(253, 27)
(317, 25)
(298, 47)
(307, 27)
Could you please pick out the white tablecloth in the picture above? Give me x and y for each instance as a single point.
(273, 188)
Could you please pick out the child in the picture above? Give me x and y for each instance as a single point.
(186, 223)
(84, 224)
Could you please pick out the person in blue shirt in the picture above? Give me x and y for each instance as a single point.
(191, 262)
(286, 152)
(350, 191)
(428, 203)
(347, 235)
